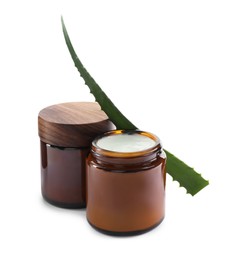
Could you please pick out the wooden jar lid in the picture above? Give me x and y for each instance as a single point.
(73, 124)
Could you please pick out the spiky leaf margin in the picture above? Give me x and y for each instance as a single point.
(119, 120)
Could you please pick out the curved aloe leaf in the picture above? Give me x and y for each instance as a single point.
(186, 176)
(119, 120)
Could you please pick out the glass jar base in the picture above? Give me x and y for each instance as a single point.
(126, 233)
(64, 204)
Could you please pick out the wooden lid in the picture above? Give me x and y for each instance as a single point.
(73, 124)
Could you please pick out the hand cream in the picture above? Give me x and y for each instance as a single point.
(126, 142)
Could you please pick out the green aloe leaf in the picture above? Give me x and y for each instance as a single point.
(119, 120)
(187, 177)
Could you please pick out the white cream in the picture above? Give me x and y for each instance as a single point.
(125, 143)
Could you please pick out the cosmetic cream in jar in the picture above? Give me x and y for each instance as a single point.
(126, 182)
(66, 132)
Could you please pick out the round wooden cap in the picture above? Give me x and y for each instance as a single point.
(73, 124)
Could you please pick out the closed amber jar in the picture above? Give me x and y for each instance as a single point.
(66, 132)
(126, 190)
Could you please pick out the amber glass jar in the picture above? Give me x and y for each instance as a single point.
(125, 190)
(66, 132)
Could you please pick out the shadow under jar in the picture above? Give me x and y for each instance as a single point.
(126, 183)
(66, 132)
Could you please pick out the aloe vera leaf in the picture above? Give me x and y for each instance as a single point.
(119, 120)
(187, 177)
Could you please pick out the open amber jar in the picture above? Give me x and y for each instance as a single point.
(66, 132)
(126, 182)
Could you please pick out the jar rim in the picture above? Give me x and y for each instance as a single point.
(111, 153)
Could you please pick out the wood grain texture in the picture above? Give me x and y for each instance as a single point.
(73, 124)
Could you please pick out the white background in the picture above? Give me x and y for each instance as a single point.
(172, 67)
